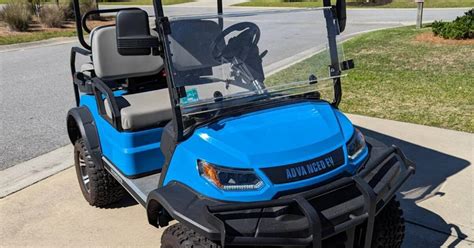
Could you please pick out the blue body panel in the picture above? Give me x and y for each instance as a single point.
(133, 153)
(273, 137)
(267, 138)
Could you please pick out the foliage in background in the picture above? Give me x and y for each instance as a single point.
(461, 28)
(85, 6)
(89, 5)
(36, 6)
(52, 16)
(17, 15)
(68, 9)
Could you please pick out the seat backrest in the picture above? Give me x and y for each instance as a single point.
(109, 64)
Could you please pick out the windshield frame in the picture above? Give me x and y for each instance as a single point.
(182, 125)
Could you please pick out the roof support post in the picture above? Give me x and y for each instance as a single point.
(220, 8)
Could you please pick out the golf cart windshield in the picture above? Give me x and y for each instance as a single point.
(229, 60)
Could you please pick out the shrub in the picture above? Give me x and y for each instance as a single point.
(461, 28)
(17, 15)
(88, 5)
(68, 10)
(52, 16)
(85, 5)
(36, 6)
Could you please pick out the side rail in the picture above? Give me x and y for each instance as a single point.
(97, 12)
(103, 93)
(90, 84)
(80, 80)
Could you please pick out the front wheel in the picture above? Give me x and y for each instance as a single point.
(97, 185)
(389, 231)
(389, 228)
(180, 236)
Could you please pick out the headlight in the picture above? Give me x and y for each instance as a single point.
(356, 144)
(229, 179)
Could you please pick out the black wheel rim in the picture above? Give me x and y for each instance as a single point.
(84, 175)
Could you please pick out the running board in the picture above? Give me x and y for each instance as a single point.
(138, 188)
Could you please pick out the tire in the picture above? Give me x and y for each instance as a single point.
(180, 236)
(97, 185)
(389, 227)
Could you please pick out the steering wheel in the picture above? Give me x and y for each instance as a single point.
(236, 46)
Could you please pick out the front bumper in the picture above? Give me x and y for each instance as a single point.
(311, 217)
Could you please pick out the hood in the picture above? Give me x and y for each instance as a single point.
(272, 137)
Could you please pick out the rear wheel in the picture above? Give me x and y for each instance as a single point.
(389, 228)
(97, 185)
(180, 236)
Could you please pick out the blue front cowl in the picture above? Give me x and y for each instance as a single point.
(271, 138)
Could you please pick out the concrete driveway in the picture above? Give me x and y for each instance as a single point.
(438, 200)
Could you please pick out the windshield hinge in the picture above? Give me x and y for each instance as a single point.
(165, 24)
(347, 65)
(181, 92)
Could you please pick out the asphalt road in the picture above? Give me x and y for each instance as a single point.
(36, 90)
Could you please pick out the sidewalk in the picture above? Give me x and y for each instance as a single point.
(438, 200)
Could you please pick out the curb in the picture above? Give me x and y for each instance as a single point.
(25, 174)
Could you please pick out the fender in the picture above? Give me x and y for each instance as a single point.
(80, 124)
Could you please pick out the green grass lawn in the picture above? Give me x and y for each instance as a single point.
(352, 3)
(402, 79)
(35, 36)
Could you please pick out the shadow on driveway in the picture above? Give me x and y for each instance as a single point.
(433, 168)
(125, 202)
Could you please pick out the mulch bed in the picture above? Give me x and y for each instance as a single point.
(431, 38)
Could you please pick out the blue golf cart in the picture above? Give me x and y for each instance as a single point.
(227, 128)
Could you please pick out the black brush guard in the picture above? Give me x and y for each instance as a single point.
(363, 196)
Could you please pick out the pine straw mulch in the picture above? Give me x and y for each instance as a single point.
(431, 38)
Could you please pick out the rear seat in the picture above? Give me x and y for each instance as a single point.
(140, 110)
(143, 110)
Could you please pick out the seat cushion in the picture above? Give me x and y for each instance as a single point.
(87, 69)
(143, 110)
(109, 64)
